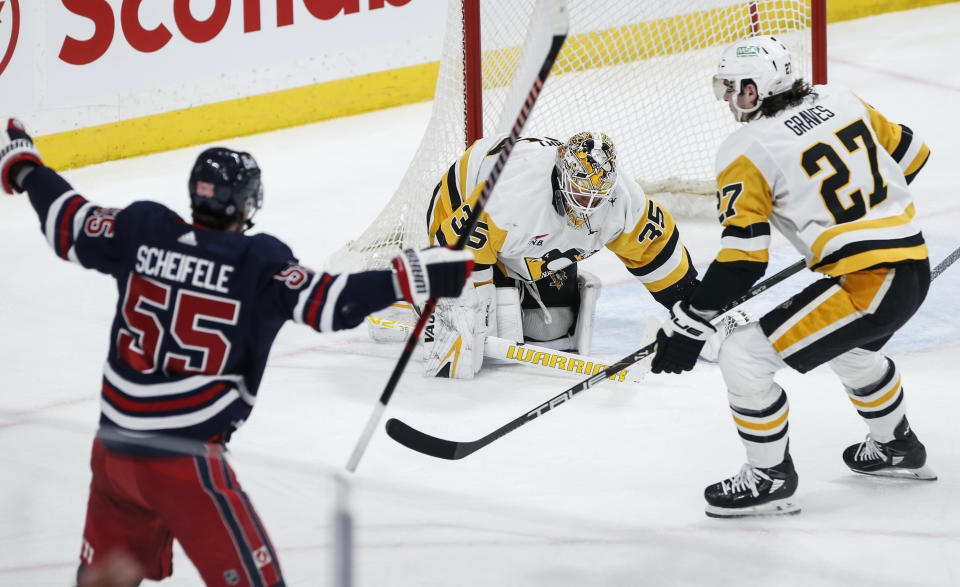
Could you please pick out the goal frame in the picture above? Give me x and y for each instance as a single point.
(473, 52)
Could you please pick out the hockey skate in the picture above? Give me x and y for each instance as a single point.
(755, 491)
(904, 456)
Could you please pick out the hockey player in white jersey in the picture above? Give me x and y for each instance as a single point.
(831, 173)
(555, 204)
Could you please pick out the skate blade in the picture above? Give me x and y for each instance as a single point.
(923, 473)
(780, 507)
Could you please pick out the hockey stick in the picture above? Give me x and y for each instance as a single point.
(452, 450)
(942, 265)
(535, 356)
(555, 16)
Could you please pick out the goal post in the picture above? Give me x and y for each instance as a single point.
(637, 71)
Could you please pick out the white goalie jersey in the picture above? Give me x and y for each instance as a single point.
(527, 234)
(525, 237)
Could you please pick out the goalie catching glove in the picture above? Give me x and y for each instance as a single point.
(436, 272)
(18, 156)
(681, 338)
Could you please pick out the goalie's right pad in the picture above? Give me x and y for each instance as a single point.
(454, 336)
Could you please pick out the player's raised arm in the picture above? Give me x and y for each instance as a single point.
(327, 302)
(76, 229)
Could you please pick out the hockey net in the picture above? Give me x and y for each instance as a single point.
(638, 71)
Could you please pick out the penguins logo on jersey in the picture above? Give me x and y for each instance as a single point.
(554, 260)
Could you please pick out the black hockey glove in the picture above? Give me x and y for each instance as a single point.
(680, 339)
(17, 155)
(436, 272)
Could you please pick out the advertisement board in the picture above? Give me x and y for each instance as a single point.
(75, 64)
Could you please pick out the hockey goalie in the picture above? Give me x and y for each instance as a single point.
(555, 204)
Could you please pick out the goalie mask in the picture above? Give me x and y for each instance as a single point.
(586, 170)
(765, 61)
(225, 187)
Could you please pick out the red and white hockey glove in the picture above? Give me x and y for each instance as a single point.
(17, 154)
(436, 272)
(680, 339)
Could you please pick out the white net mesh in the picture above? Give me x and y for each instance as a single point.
(637, 71)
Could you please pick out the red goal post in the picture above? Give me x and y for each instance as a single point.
(638, 71)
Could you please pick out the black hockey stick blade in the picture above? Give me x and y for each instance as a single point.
(452, 450)
(426, 444)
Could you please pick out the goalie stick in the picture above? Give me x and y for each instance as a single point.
(553, 15)
(452, 450)
(545, 359)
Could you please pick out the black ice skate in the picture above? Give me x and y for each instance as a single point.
(755, 491)
(904, 456)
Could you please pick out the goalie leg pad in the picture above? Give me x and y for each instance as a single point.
(453, 339)
(509, 317)
(588, 285)
(549, 327)
(393, 323)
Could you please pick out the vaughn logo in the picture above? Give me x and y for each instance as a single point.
(9, 30)
(537, 241)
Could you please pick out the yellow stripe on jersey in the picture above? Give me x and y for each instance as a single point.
(866, 259)
(745, 199)
(450, 193)
(745, 196)
(918, 161)
(640, 246)
(653, 243)
(487, 238)
(732, 255)
(829, 234)
(888, 133)
(890, 136)
(676, 275)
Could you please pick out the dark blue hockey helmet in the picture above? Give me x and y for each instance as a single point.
(225, 185)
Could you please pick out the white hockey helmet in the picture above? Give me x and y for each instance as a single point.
(765, 61)
(586, 172)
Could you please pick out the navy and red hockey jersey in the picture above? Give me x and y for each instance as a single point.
(197, 310)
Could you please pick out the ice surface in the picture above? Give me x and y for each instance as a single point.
(605, 491)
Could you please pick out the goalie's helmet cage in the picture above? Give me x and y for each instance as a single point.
(225, 183)
(586, 174)
(765, 61)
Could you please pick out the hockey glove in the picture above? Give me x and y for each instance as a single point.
(680, 339)
(17, 155)
(436, 272)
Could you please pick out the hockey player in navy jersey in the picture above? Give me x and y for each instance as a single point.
(198, 307)
(830, 172)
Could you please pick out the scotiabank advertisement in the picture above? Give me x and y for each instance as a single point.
(68, 64)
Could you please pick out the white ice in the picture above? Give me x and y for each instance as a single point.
(606, 490)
